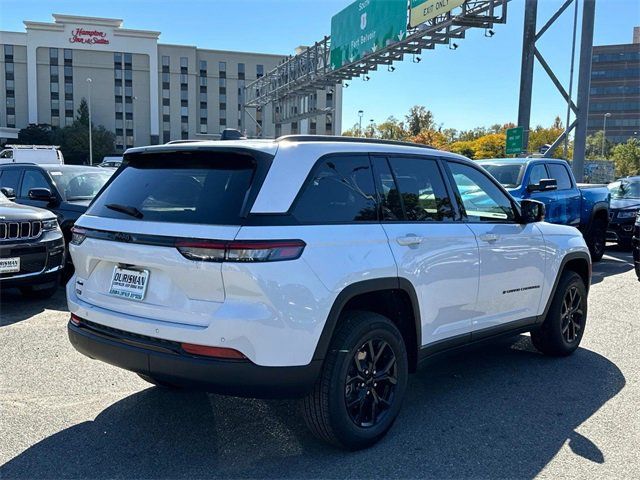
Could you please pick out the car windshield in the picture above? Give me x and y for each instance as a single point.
(80, 183)
(508, 174)
(625, 189)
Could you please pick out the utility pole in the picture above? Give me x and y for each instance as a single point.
(90, 127)
(526, 70)
(584, 84)
(604, 132)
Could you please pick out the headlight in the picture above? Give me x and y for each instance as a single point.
(48, 225)
(627, 214)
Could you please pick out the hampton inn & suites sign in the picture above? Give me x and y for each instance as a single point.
(88, 37)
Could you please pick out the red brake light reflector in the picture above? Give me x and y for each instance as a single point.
(241, 250)
(217, 352)
(76, 320)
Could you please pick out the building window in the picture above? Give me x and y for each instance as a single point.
(68, 56)
(259, 71)
(53, 56)
(184, 65)
(241, 71)
(8, 53)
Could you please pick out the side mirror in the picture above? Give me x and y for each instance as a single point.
(41, 194)
(8, 192)
(531, 211)
(545, 185)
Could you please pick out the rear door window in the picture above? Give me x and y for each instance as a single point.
(180, 187)
(339, 190)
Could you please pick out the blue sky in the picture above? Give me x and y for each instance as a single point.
(475, 85)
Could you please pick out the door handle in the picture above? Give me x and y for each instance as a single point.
(409, 240)
(489, 237)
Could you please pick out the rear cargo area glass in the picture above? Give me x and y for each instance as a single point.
(180, 187)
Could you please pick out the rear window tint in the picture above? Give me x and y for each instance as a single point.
(188, 187)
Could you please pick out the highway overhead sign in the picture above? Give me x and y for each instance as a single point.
(514, 140)
(364, 27)
(423, 10)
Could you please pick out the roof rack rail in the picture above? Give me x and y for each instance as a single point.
(336, 138)
(33, 147)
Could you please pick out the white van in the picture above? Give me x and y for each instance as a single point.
(31, 154)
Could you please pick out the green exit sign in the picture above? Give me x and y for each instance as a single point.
(514, 141)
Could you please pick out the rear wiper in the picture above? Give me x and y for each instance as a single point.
(131, 211)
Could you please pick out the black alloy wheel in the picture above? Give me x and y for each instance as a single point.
(371, 383)
(572, 315)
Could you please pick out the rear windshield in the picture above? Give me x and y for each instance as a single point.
(508, 174)
(180, 187)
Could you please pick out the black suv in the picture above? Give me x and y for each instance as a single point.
(625, 204)
(66, 190)
(31, 249)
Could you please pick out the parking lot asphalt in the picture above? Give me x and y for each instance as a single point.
(501, 411)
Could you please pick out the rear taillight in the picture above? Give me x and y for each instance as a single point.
(216, 352)
(76, 320)
(241, 250)
(78, 235)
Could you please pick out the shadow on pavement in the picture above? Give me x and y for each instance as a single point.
(16, 308)
(501, 411)
(615, 262)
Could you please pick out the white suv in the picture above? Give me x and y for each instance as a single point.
(320, 267)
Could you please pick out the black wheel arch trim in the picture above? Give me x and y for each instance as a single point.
(568, 258)
(597, 208)
(363, 287)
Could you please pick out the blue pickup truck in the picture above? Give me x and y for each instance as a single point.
(551, 181)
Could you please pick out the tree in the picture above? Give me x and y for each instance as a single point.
(418, 119)
(490, 146)
(392, 129)
(626, 157)
(74, 139)
(463, 147)
(541, 136)
(430, 137)
(594, 147)
(36, 134)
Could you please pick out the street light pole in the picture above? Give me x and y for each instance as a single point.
(604, 132)
(360, 113)
(90, 128)
(133, 125)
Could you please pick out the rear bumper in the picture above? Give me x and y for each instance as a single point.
(159, 359)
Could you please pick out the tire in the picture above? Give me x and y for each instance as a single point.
(35, 293)
(597, 241)
(325, 409)
(158, 383)
(562, 330)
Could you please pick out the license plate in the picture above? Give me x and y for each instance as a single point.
(10, 265)
(129, 283)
